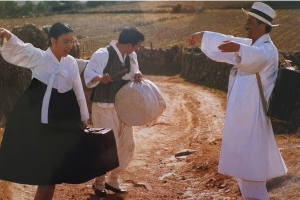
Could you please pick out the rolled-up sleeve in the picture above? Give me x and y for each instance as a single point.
(95, 67)
(16, 52)
(134, 67)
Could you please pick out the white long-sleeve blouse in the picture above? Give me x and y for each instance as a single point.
(62, 75)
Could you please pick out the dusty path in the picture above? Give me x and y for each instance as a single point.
(193, 120)
(194, 115)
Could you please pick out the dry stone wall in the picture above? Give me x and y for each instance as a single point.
(38, 37)
(159, 61)
(13, 81)
(191, 64)
(30, 33)
(198, 68)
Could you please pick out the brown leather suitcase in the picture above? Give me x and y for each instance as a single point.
(284, 97)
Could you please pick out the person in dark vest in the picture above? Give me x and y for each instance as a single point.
(44, 142)
(108, 70)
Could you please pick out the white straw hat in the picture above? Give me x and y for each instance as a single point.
(263, 12)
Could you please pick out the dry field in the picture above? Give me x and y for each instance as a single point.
(192, 120)
(165, 30)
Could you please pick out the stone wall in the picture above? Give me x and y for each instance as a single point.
(191, 64)
(30, 33)
(13, 81)
(198, 68)
(160, 62)
(38, 37)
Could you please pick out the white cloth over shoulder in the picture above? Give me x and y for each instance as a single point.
(138, 103)
(249, 150)
(62, 75)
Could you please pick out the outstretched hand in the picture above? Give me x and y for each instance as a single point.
(229, 46)
(194, 38)
(5, 34)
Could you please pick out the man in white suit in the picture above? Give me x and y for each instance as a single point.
(249, 151)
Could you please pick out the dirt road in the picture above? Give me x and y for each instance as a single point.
(193, 120)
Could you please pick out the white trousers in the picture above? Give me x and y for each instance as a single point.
(254, 190)
(108, 118)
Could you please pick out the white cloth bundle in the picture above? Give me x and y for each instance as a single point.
(138, 103)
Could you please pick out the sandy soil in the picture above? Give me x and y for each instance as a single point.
(193, 120)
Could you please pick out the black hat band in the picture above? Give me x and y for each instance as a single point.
(262, 14)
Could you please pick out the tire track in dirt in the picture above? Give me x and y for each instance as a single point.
(194, 116)
(193, 119)
(205, 111)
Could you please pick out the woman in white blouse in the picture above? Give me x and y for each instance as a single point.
(43, 142)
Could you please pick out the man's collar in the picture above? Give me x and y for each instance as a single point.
(264, 38)
(113, 44)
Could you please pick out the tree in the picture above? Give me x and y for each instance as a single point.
(41, 8)
(9, 8)
(27, 8)
(177, 8)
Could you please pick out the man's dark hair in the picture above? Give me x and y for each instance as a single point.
(131, 35)
(57, 30)
(268, 27)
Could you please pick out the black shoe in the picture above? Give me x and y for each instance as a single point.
(115, 190)
(99, 193)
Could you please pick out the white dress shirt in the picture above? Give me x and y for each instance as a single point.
(99, 61)
(62, 75)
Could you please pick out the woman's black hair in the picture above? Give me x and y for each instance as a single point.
(268, 27)
(131, 35)
(57, 30)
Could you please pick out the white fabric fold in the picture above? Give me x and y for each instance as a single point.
(46, 99)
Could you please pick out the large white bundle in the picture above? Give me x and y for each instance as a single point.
(138, 103)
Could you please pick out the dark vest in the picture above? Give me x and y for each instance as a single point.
(105, 93)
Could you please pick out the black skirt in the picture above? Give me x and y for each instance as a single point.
(57, 152)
